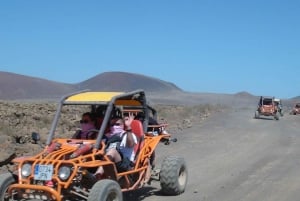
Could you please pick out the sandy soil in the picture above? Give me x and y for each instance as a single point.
(233, 157)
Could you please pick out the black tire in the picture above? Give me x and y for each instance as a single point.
(5, 181)
(276, 116)
(256, 114)
(105, 190)
(173, 175)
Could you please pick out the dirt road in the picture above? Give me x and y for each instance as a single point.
(233, 157)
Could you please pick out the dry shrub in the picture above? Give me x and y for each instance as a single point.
(23, 118)
(180, 117)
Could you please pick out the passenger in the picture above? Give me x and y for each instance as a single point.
(87, 127)
(120, 144)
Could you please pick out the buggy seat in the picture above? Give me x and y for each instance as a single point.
(137, 129)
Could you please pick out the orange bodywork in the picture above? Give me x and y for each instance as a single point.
(86, 161)
(267, 110)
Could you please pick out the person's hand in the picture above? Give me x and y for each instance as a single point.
(128, 120)
(129, 139)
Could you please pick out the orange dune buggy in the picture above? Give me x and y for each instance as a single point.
(266, 107)
(65, 169)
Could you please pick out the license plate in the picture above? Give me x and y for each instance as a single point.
(43, 172)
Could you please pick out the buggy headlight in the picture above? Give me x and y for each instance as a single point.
(64, 172)
(26, 169)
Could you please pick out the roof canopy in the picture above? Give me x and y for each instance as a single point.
(92, 97)
(134, 98)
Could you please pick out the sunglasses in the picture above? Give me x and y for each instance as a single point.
(84, 121)
(116, 124)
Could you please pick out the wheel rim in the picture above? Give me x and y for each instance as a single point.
(112, 196)
(182, 176)
(6, 195)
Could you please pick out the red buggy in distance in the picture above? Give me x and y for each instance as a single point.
(296, 109)
(266, 107)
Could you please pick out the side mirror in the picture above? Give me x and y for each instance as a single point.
(35, 137)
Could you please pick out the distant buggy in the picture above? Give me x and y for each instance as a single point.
(296, 109)
(267, 107)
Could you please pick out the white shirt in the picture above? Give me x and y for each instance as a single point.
(128, 151)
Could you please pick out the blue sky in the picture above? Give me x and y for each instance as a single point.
(201, 46)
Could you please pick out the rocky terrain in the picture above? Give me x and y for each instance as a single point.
(20, 119)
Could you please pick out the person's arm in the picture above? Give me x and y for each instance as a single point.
(130, 142)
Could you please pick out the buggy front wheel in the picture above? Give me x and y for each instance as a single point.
(5, 181)
(105, 190)
(173, 175)
(256, 114)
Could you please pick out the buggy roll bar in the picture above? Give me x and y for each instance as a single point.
(141, 99)
(57, 114)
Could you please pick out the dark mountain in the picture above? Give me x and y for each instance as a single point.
(296, 98)
(15, 86)
(122, 81)
(245, 94)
